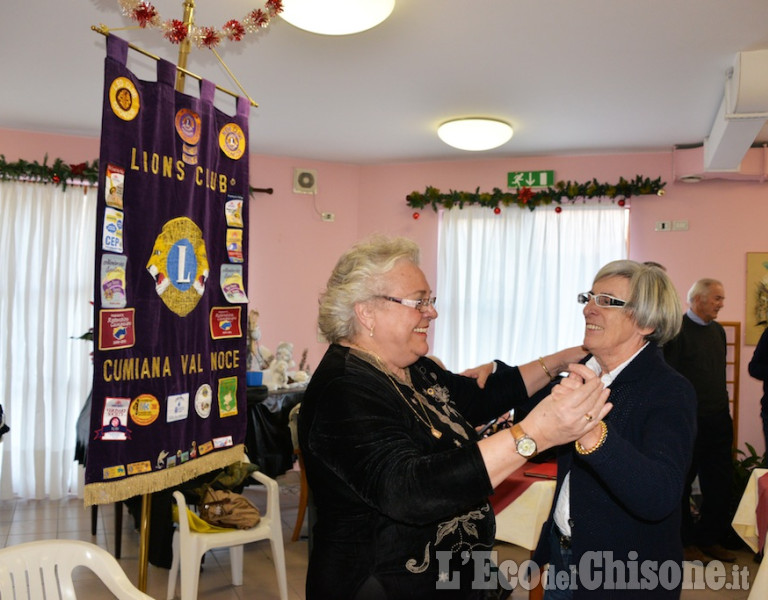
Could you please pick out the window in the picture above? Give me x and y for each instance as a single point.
(47, 240)
(507, 283)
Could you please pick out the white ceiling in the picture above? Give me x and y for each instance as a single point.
(571, 76)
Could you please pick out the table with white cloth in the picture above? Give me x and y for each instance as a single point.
(751, 523)
(521, 504)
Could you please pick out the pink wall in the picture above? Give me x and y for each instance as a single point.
(292, 250)
(726, 220)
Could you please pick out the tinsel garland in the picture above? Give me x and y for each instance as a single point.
(176, 31)
(63, 174)
(525, 197)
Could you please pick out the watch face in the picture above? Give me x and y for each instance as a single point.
(526, 447)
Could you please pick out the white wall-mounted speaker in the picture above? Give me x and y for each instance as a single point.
(304, 181)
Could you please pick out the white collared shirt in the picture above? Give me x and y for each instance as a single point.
(562, 514)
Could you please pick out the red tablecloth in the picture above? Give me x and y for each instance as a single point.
(513, 486)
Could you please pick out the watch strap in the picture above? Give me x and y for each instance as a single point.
(517, 432)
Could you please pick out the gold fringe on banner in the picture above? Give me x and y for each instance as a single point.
(147, 483)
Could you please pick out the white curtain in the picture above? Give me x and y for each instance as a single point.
(47, 251)
(507, 283)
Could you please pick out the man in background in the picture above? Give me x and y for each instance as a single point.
(699, 353)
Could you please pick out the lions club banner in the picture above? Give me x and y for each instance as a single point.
(169, 296)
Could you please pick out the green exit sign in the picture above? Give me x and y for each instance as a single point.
(518, 179)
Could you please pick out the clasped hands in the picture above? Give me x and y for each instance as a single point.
(572, 411)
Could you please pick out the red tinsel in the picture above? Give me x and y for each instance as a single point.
(175, 31)
(234, 30)
(145, 14)
(258, 18)
(208, 37)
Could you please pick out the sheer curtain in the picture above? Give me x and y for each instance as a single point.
(47, 248)
(507, 283)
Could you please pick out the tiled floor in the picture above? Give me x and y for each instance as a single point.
(22, 521)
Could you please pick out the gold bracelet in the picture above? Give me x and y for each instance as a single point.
(543, 366)
(580, 449)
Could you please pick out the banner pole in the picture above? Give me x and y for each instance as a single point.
(146, 504)
(189, 12)
(104, 30)
(146, 501)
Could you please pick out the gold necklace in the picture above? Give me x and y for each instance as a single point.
(425, 420)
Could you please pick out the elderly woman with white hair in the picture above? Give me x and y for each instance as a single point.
(399, 475)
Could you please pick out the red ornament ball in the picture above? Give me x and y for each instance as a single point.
(497, 210)
(558, 209)
(416, 215)
(56, 179)
(622, 202)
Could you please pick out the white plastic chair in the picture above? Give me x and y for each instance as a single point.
(43, 569)
(189, 546)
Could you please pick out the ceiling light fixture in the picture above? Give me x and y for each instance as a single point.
(475, 134)
(336, 17)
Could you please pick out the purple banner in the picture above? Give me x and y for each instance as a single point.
(169, 399)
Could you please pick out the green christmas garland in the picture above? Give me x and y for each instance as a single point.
(63, 174)
(525, 197)
(59, 173)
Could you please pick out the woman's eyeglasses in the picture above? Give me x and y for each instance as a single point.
(601, 300)
(420, 305)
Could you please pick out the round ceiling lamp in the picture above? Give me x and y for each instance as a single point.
(336, 17)
(475, 134)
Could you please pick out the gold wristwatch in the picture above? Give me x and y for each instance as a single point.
(526, 445)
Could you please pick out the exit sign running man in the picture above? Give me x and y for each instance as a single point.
(518, 179)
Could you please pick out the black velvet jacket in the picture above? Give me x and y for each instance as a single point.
(395, 504)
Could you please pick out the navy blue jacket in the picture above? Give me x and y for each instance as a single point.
(625, 497)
